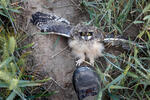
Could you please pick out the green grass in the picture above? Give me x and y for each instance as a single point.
(13, 78)
(128, 76)
(113, 15)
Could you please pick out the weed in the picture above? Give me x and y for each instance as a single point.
(12, 62)
(131, 80)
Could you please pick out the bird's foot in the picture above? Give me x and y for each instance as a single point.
(92, 62)
(79, 62)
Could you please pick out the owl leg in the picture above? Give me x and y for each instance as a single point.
(91, 58)
(79, 62)
(92, 61)
(81, 57)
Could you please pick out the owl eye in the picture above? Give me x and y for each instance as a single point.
(82, 33)
(90, 33)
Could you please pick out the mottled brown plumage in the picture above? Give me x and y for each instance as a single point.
(85, 40)
(81, 47)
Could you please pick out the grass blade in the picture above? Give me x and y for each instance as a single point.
(6, 62)
(11, 96)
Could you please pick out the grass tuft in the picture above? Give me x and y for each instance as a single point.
(13, 78)
(127, 76)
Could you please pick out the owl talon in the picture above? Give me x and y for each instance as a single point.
(79, 62)
(92, 63)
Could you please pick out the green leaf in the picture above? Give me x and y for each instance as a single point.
(119, 78)
(141, 34)
(117, 87)
(138, 22)
(146, 17)
(6, 62)
(13, 84)
(3, 84)
(114, 97)
(11, 96)
(148, 34)
(1, 7)
(117, 28)
(126, 69)
(3, 14)
(100, 94)
(26, 46)
(19, 93)
(44, 80)
(4, 3)
(118, 67)
(13, 69)
(2, 39)
(109, 4)
(12, 44)
(146, 8)
(140, 65)
(24, 83)
(131, 74)
(5, 77)
(141, 73)
(124, 13)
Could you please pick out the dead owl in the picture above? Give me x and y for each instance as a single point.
(84, 40)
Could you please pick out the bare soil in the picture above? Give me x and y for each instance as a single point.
(51, 56)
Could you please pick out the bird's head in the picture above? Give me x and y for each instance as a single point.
(85, 32)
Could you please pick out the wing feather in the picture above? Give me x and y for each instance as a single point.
(51, 23)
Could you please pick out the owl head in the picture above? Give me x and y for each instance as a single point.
(86, 32)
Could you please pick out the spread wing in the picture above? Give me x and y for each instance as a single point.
(119, 40)
(51, 23)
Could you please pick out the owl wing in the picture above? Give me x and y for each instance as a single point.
(122, 41)
(51, 23)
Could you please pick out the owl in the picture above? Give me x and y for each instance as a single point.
(86, 41)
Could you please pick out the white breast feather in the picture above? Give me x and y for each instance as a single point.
(94, 48)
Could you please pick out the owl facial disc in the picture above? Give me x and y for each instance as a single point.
(86, 35)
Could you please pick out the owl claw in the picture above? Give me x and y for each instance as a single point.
(79, 62)
(92, 63)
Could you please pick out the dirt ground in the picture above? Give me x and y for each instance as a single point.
(51, 55)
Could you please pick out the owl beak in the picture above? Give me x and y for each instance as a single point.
(86, 38)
